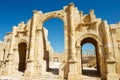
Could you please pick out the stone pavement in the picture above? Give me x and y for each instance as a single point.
(52, 74)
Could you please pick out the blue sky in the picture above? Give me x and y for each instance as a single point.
(14, 11)
(88, 47)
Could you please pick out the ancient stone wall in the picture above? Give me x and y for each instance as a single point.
(78, 30)
(1, 52)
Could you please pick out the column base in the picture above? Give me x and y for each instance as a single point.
(28, 73)
(8, 70)
(30, 68)
(112, 77)
(73, 70)
(5, 73)
(73, 76)
(103, 76)
(111, 65)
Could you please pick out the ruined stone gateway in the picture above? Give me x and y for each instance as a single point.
(27, 49)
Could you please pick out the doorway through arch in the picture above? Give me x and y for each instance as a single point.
(90, 57)
(22, 48)
(56, 39)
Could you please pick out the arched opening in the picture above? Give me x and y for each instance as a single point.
(22, 47)
(55, 27)
(90, 58)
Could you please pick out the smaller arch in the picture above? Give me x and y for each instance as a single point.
(89, 40)
(22, 50)
(21, 41)
(93, 36)
(97, 42)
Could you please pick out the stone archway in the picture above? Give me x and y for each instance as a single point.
(77, 26)
(90, 38)
(89, 71)
(45, 17)
(22, 49)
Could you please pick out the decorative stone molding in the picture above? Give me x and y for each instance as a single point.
(78, 30)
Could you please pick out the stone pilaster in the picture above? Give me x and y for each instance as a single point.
(73, 73)
(111, 70)
(109, 42)
(30, 61)
(102, 62)
(40, 52)
(8, 70)
(111, 63)
(16, 59)
(79, 57)
(66, 50)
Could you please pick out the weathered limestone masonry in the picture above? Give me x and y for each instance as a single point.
(1, 53)
(28, 50)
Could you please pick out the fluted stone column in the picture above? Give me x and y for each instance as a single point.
(30, 61)
(111, 62)
(72, 32)
(109, 42)
(8, 70)
(73, 73)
